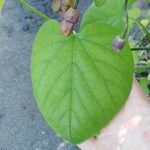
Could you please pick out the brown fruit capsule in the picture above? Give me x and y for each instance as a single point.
(66, 27)
(64, 8)
(71, 15)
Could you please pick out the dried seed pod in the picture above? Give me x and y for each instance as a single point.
(56, 5)
(66, 27)
(64, 8)
(71, 15)
(118, 44)
(65, 4)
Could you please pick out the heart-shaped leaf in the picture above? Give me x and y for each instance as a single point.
(78, 81)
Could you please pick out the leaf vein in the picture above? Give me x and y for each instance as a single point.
(90, 57)
(81, 101)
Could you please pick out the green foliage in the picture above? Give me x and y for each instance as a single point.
(34, 10)
(1, 3)
(133, 14)
(78, 81)
(99, 3)
(141, 57)
(145, 22)
(130, 2)
(144, 85)
(111, 13)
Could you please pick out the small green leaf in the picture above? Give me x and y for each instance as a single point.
(145, 22)
(130, 2)
(134, 14)
(1, 3)
(143, 84)
(148, 15)
(78, 81)
(135, 57)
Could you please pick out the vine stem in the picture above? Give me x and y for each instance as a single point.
(140, 49)
(76, 4)
(127, 19)
(140, 24)
(34, 10)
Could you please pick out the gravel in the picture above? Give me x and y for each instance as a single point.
(21, 125)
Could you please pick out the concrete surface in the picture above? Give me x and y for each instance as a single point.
(21, 125)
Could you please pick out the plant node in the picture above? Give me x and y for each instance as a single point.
(69, 19)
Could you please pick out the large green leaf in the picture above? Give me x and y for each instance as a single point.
(1, 3)
(111, 13)
(100, 2)
(78, 81)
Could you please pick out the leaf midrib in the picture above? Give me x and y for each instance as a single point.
(72, 77)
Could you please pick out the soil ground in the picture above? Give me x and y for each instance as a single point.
(21, 125)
